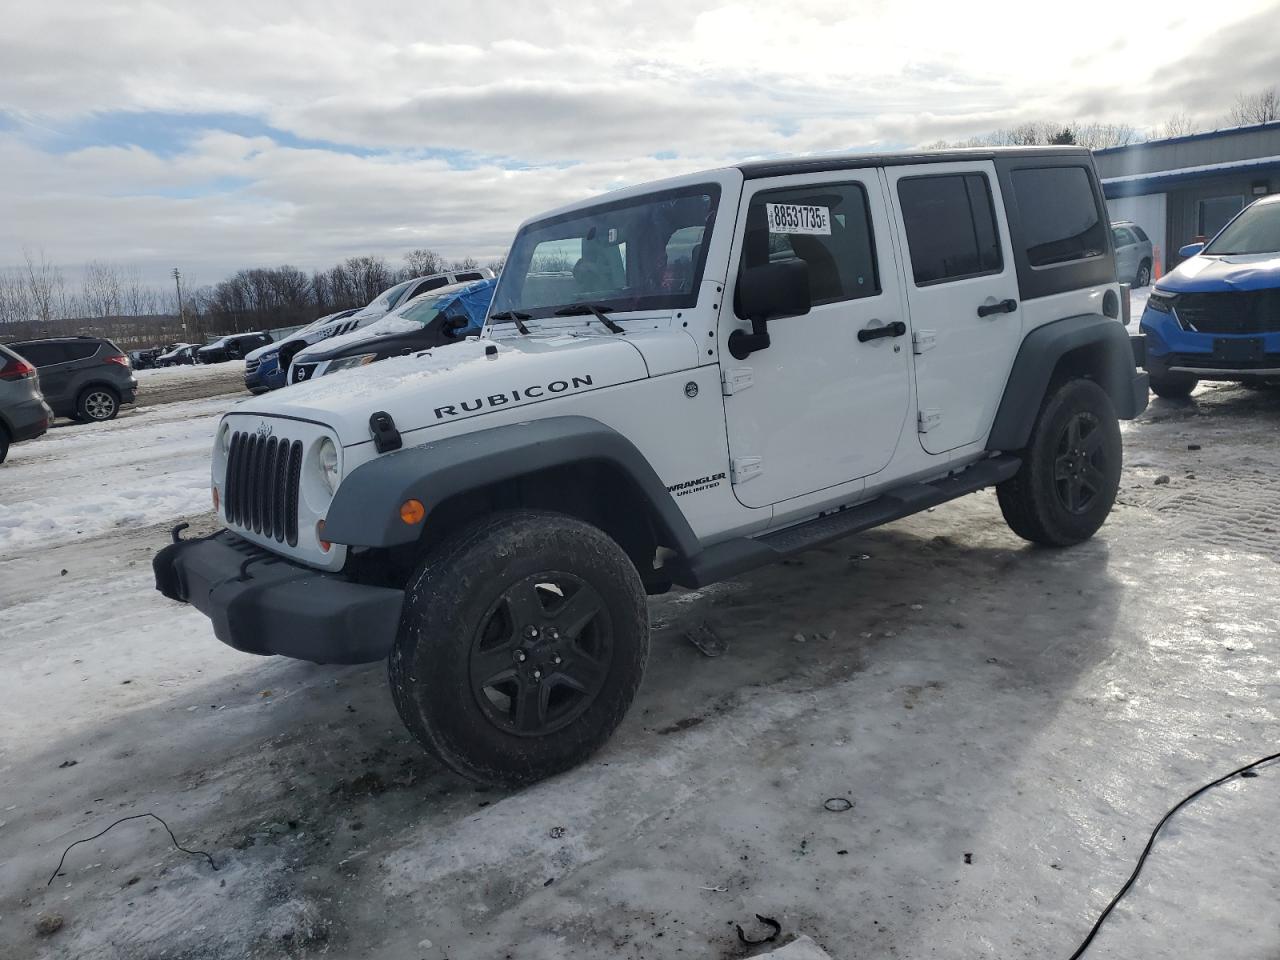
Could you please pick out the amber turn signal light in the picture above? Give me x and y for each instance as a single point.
(216, 500)
(412, 512)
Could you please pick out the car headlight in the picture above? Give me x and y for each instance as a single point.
(1161, 300)
(327, 454)
(343, 363)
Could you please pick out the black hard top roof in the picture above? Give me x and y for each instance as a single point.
(850, 161)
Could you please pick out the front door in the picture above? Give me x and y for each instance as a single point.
(962, 292)
(819, 406)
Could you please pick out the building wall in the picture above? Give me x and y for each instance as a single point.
(1219, 146)
(1182, 207)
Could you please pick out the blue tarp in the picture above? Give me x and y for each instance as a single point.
(474, 300)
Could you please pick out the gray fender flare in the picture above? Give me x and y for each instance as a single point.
(1033, 368)
(365, 510)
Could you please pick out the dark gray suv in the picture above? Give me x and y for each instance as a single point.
(87, 378)
(23, 413)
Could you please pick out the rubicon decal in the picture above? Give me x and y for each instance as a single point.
(493, 400)
(686, 487)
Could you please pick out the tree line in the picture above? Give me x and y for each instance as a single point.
(1262, 106)
(37, 300)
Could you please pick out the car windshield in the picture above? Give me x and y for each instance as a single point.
(382, 302)
(1256, 230)
(643, 253)
(424, 309)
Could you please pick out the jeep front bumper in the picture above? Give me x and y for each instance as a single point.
(262, 603)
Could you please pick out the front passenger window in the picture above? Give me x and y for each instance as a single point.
(828, 226)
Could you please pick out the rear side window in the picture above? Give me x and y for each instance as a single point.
(40, 354)
(469, 276)
(1122, 237)
(80, 351)
(1141, 234)
(828, 226)
(950, 222)
(1059, 214)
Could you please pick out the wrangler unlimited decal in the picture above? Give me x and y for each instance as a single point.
(513, 396)
(695, 486)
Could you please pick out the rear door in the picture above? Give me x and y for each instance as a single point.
(820, 406)
(962, 293)
(51, 363)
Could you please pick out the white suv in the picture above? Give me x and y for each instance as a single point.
(677, 382)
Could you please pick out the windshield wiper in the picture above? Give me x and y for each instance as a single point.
(595, 309)
(515, 316)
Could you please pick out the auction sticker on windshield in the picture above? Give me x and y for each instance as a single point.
(798, 218)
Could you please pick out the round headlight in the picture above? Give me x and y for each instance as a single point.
(328, 455)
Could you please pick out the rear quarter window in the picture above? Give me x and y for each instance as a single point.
(81, 351)
(1059, 215)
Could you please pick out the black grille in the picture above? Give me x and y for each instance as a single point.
(261, 487)
(251, 365)
(1252, 311)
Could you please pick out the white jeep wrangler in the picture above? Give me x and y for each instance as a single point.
(677, 382)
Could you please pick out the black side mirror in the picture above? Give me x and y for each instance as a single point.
(453, 326)
(768, 292)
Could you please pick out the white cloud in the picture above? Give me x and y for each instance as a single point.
(547, 102)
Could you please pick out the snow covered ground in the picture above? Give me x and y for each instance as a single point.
(189, 372)
(1007, 722)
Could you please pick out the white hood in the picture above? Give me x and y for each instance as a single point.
(456, 382)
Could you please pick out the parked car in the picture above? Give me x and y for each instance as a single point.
(1217, 315)
(87, 378)
(180, 354)
(443, 316)
(262, 368)
(24, 415)
(1133, 253)
(234, 346)
(741, 365)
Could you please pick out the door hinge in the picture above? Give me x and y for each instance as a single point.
(745, 468)
(929, 418)
(923, 340)
(736, 380)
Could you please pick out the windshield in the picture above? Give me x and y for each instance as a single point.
(1256, 230)
(382, 302)
(425, 308)
(643, 253)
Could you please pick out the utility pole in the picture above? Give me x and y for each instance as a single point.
(182, 316)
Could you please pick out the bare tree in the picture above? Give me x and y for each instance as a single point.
(46, 287)
(1096, 136)
(466, 263)
(15, 305)
(1260, 107)
(1177, 125)
(137, 298)
(497, 264)
(422, 262)
(100, 289)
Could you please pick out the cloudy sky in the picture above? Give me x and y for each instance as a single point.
(213, 136)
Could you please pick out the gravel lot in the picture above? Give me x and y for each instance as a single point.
(1008, 723)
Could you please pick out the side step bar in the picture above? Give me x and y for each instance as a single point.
(732, 557)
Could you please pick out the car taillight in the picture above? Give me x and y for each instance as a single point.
(120, 359)
(17, 369)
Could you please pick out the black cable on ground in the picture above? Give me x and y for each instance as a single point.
(136, 816)
(1241, 771)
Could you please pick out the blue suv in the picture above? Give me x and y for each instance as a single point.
(1217, 316)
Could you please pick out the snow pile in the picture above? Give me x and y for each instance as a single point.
(190, 372)
(58, 518)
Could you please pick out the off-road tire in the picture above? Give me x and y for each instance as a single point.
(451, 598)
(97, 404)
(1173, 386)
(1143, 278)
(1033, 500)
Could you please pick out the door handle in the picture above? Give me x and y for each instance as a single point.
(1004, 306)
(894, 329)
